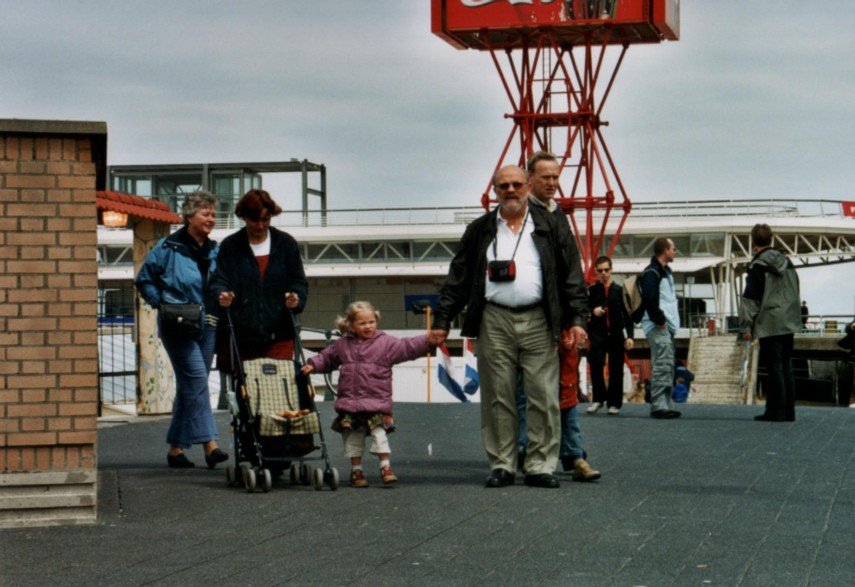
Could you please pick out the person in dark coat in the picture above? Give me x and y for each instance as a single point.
(609, 321)
(260, 279)
(770, 312)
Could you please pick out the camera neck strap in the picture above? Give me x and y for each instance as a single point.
(519, 237)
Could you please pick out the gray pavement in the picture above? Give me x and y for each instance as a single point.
(713, 498)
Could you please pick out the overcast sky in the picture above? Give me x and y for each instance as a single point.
(754, 101)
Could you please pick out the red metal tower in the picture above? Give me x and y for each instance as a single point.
(553, 64)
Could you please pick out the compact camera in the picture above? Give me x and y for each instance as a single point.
(500, 271)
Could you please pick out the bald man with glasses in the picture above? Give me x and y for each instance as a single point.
(518, 274)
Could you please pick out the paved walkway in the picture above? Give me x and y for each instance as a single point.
(711, 498)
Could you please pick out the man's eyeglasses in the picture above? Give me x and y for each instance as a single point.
(604, 270)
(506, 186)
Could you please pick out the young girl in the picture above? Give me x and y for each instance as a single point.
(364, 405)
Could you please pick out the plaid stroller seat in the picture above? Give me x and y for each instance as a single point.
(272, 387)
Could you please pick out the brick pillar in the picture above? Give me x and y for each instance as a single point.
(49, 171)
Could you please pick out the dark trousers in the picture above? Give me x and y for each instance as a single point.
(614, 346)
(776, 358)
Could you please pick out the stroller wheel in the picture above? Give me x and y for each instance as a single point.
(305, 478)
(294, 474)
(266, 480)
(318, 479)
(332, 478)
(248, 479)
(230, 476)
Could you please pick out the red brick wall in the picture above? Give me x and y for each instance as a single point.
(48, 309)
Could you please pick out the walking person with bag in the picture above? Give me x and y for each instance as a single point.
(173, 280)
(609, 320)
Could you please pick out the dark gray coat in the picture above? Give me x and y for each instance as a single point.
(771, 303)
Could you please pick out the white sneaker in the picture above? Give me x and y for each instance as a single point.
(592, 409)
(613, 411)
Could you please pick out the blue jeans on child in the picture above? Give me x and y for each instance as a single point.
(191, 357)
(572, 443)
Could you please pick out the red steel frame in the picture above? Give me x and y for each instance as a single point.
(535, 79)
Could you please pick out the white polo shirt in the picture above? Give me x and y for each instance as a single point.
(527, 288)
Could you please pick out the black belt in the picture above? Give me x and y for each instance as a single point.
(515, 309)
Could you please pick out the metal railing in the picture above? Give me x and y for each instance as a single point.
(465, 214)
(712, 324)
(116, 349)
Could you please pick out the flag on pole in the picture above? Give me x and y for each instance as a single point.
(470, 376)
(445, 373)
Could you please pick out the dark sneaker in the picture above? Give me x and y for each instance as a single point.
(500, 478)
(665, 414)
(542, 480)
(179, 461)
(214, 457)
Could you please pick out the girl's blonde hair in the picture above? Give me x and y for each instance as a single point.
(345, 323)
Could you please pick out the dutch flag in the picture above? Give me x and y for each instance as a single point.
(470, 377)
(445, 373)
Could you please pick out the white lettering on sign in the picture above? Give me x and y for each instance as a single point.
(479, 3)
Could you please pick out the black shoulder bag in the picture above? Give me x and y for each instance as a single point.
(181, 318)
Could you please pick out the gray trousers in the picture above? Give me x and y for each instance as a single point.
(509, 341)
(662, 359)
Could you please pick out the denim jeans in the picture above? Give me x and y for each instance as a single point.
(191, 357)
(662, 358)
(775, 357)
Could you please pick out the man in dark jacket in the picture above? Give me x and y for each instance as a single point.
(535, 290)
(543, 172)
(770, 312)
(609, 321)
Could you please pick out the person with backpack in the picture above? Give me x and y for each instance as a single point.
(660, 323)
(609, 321)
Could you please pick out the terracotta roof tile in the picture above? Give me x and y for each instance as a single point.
(136, 207)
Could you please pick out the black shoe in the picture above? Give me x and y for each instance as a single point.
(179, 461)
(542, 480)
(665, 414)
(500, 478)
(768, 418)
(215, 456)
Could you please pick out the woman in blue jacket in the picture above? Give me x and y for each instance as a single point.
(173, 280)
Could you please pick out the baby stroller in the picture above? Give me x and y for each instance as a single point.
(265, 446)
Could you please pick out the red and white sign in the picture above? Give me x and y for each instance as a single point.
(848, 209)
(454, 19)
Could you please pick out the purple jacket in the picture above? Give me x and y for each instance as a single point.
(365, 381)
